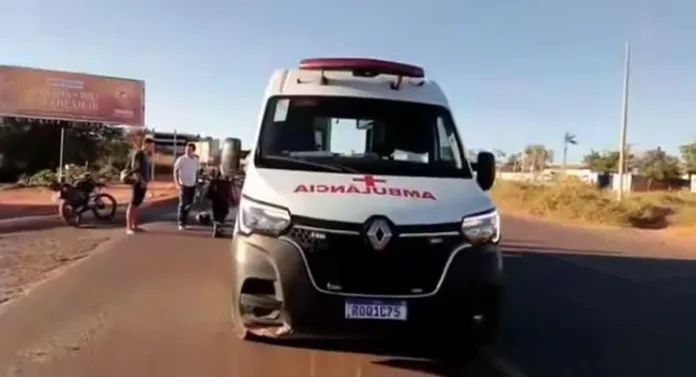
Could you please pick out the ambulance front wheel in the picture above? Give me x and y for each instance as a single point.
(238, 328)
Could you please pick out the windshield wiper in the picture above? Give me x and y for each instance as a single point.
(332, 167)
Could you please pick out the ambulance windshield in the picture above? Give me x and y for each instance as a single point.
(360, 135)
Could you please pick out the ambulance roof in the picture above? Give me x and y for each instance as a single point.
(356, 77)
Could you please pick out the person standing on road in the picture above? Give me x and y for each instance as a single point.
(141, 172)
(185, 179)
(220, 195)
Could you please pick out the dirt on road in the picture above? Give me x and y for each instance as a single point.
(28, 258)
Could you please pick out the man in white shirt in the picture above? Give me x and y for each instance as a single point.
(185, 179)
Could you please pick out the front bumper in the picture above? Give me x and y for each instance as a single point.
(275, 294)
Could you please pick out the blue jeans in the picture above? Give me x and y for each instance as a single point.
(185, 201)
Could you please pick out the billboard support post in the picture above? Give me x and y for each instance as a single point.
(61, 153)
(152, 163)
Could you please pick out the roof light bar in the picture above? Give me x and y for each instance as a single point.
(374, 66)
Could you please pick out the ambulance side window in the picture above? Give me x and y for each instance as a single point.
(449, 149)
(281, 110)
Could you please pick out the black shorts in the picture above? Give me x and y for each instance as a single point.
(138, 192)
(220, 211)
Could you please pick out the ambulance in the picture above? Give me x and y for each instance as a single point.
(360, 215)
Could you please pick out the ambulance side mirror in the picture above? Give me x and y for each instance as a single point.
(485, 170)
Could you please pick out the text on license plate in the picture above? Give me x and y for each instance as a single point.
(375, 309)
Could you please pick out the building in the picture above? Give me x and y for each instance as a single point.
(171, 142)
(207, 149)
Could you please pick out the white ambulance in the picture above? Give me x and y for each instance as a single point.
(360, 215)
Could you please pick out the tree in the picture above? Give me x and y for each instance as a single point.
(116, 153)
(536, 157)
(513, 163)
(606, 161)
(568, 139)
(30, 145)
(657, 165)
(602, 162)
(688, 155)
(499, 157)
(499, 153)
(471, 154)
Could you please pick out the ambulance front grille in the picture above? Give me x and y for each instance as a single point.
(346, 263)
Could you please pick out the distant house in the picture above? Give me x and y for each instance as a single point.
(170, 142)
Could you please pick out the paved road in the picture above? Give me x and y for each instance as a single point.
(156, 304)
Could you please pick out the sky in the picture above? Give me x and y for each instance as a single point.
(516, 72)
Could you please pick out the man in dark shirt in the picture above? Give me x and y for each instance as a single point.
(141, 168)
(220, 196)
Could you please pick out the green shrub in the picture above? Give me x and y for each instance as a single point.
(71, 173)
(43, 178)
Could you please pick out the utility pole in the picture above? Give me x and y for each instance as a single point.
(624, 122)
(174, 147)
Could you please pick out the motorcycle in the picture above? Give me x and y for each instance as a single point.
(73, 203)
(205, 217)
(201, 188)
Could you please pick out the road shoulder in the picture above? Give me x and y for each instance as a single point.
(31, 258)
(539, 234)
(43, 222)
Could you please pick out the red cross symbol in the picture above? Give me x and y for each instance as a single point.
(369, 180)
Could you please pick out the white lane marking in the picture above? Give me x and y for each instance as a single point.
(506, 367)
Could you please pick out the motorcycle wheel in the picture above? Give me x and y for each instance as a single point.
(68, 214)
(203, 218)
(105, 202)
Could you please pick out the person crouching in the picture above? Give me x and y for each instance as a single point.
(220, 196)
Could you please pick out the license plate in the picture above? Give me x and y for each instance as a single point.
(376, 309)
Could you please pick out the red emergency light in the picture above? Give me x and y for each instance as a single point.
(363, 67)
(373, 66)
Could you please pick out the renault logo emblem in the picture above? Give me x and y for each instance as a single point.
(379, 234)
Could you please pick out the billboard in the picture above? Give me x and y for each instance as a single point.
(37, 93)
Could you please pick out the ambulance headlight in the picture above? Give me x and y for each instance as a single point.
(483, 228)
(261, 219)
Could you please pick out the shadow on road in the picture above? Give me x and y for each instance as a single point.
(593, 313)
(427, 366)
(405, 354)
(574, 313)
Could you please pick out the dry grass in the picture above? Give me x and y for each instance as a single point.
(573, 200)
